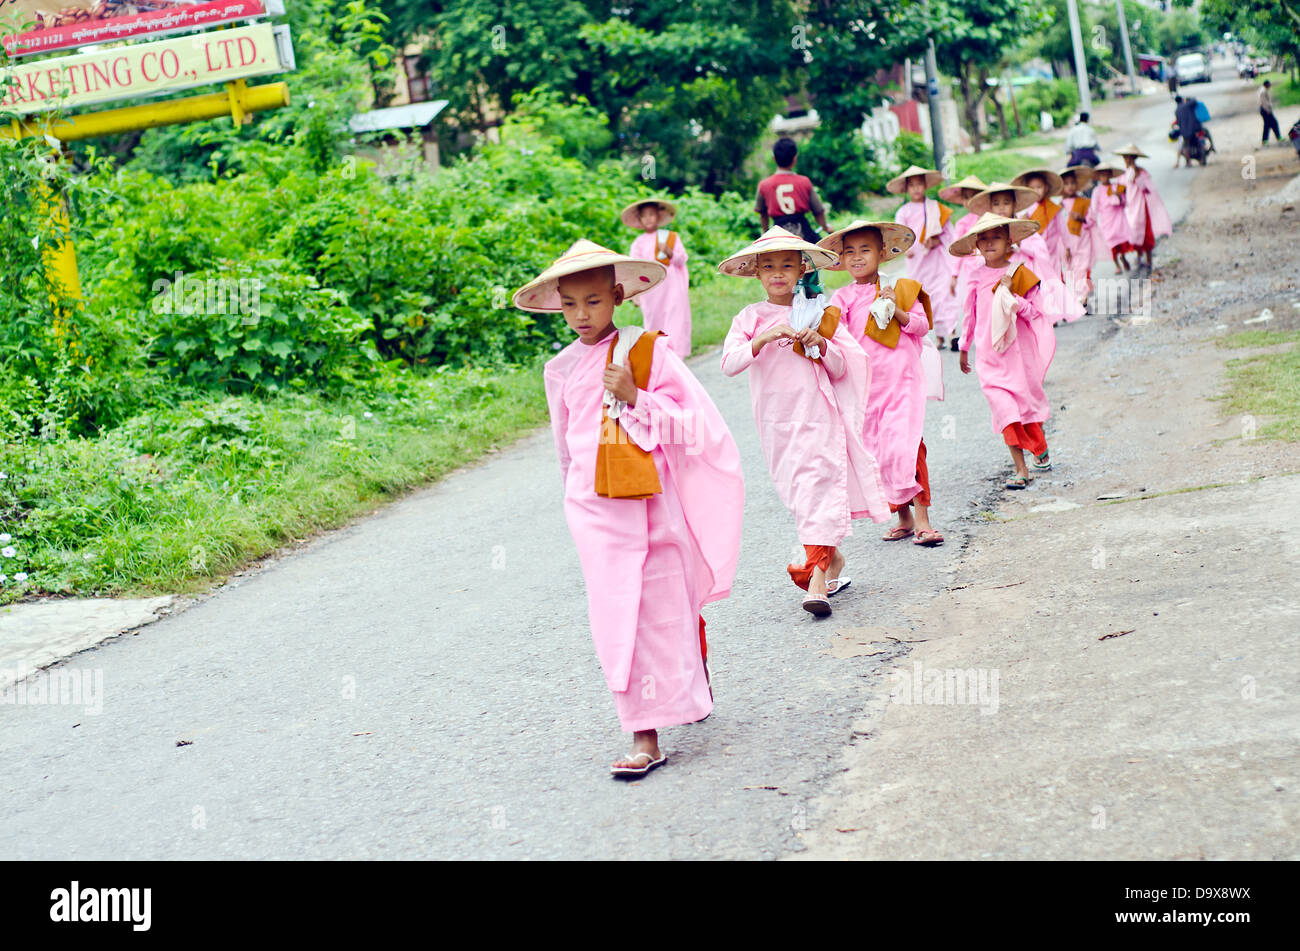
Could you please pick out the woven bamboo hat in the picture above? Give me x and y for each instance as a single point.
(776, 238)
(1024, 197)
(1021, 228)
(898, 184)
(954, 191)
(630, 215)
(542, 293)
(1053, 180)
(1107, 167)
(1132, 150)
(896, 238)
(1083, 174)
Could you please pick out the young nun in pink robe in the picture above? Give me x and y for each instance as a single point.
(1033, 251)
(666, 307)
(896, 398)
(652, 556)
(961, 192)
(1045, 183)
(1108, 204)
(808, 383)
(1079, 238)
(1147, 217)
(928, 261)
(1004, 324)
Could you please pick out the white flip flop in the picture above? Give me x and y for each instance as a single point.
(651, 763)
(840, 585)
(817, 606)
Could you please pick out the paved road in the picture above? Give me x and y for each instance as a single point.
(450, 629)
(449, 632)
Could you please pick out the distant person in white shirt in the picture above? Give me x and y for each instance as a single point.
(1081, 143)
(1266, 112)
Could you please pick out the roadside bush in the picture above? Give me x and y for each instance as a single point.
(1058, 97)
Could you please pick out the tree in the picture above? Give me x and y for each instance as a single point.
(977, 36)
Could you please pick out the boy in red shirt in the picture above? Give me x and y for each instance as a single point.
(784, 199)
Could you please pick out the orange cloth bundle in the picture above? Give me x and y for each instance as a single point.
(623, 469)
(907, 292)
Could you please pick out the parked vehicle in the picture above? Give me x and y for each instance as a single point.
(1192, 68)
(1247, 69)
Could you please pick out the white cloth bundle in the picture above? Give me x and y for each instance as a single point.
(1003, 330)
(882, 311)
(807, 312)
(627, 338)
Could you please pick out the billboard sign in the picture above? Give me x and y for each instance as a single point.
(43, 26)
(142, 69)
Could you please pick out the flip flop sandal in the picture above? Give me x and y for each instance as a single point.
(1042, 463)
(840, 585)
(817, 607)
(651, 763)
(1019, 482)
(896, 534)
(928, 539)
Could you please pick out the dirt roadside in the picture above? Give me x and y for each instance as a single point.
(1128, 624)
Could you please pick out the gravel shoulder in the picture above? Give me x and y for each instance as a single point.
(1137, 607)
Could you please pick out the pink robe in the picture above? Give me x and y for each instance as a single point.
(895, 419)
(1055, 299)
(810, 416)
(1051, 235)
(667, 305)
(933, 267)
(649, 564)
(1112, 222)
(1142, 200)
(1081, 249)
(1012, 381)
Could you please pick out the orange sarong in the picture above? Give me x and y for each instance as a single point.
(1026, 436)
(923, 477)
(819, 556)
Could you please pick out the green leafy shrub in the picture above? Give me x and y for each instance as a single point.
(252, 324)
(1058, 97)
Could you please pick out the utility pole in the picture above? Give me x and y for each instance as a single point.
(1080, 64)
(1128, 52)
(932, 93)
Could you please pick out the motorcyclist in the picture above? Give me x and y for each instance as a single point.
(1188, 125)
(1081, 143)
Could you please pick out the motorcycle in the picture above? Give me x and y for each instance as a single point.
(1294, 135)
(1199, 149)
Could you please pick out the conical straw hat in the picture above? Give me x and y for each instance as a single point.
(1111, 167)
(1131, 149)
(630, 215)
(898, 185)
(542, 295)
(776, 238)
(1053, 180)
(897, 239)
(1024, 197)
(953, 192)
(1021, 228)
(1083, 174)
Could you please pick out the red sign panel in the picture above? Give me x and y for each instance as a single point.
(42, 26)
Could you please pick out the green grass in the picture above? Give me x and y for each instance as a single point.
(995, 165)
(1266, 385)
(1285, 92)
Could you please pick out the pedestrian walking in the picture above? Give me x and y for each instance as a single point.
(1267, 114)
(808, 383)
(927, 260)
(666, 307)
(653, 493)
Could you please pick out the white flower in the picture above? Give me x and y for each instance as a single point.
(8, 551)
(3, 579)
(20, 576)
(5, 538)
(367, 414)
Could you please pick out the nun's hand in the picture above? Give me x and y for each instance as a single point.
(618, 380)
